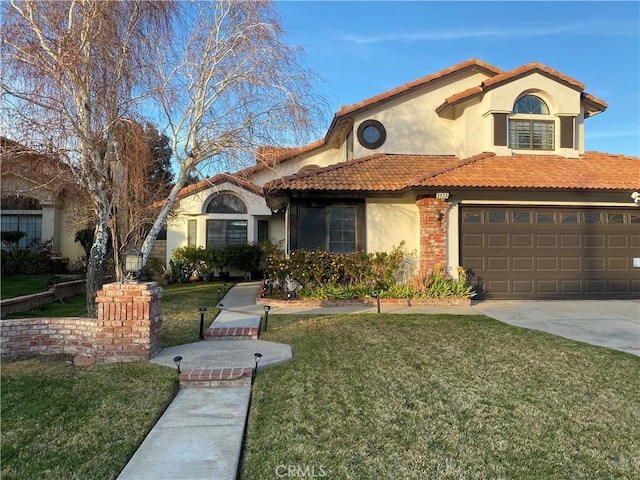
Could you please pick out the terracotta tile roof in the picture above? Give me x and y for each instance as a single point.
(375, 173)
(519, 72)
(393, 173)
(217, 180)
(593, 170)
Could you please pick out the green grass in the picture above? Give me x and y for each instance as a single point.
(61, 422)
(75, 306)
(17, 285)
(441, 397)
(180, 310)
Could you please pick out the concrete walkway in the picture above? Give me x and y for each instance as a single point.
(200, 434)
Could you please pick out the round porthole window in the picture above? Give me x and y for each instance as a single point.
(371, 134)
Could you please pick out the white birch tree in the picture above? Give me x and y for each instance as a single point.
(218, 75)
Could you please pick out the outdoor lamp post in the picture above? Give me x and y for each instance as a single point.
(177, 359)
(257, 357)
(266, 316)
(132, 264)
(202, 310)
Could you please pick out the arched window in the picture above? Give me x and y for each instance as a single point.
(526, 133)
(226, 203)
(23, 214)
(531, 104)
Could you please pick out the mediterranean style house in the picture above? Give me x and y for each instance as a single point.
(471, 166)
(39, 199)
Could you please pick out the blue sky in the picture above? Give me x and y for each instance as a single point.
(363, 48)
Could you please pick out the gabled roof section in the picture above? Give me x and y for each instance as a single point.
(219, 179)
(407, 87)
(502, 78)
(270, 156)
(591, 171)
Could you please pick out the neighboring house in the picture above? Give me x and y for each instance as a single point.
(38, 199)
(471, 166)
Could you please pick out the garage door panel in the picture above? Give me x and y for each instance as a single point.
(522, 264)
(617, 241)
(548, 287)
(547, 263)
(594, 263)
(497, 240)
(522, 240)
(570, 241)
(619, 263)
(498, 264)
(546, 240)
(571, 287)
(571, 264)
(593, 241)
(535, 252)
(523, 287)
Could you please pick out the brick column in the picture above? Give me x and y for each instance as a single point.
(129, 326)
(433, 232)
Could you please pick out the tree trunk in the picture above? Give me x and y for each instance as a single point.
(96, 264)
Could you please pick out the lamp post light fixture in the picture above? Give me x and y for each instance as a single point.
(177, 359)
(257, 357)
(132, 265)
(266, 316)
(202, 310)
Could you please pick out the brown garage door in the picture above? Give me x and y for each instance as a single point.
(551, 252)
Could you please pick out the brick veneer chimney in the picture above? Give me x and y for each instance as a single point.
(433, 232)
(129, 326)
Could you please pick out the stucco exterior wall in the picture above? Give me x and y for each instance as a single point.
(411, 121)
(194, 208)
(392, 221)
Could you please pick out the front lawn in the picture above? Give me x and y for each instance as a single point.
(61, 422)
(17, 285)
(417, 396)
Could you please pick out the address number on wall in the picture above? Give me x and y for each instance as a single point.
(442, 195)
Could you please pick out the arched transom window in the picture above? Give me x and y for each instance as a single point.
(530, 125)
(226, 203)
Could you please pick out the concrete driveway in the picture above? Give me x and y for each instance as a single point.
(608, 323)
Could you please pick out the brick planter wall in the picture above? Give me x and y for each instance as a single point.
(128, 328)
(37, 300)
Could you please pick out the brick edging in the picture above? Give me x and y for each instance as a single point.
(216, 377)
(231, 332)
(363, 302)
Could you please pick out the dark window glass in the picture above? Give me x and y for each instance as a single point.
(531, 135)
(545, 217)
(371, 134)
(263, 231)
(342, 229)
(569, 218)
(615, 217)
(635, 217)
(531, 104)
(497, 217)
(29, 224)
(592, 217)
(472, 217)
(520, 217)
(226, 203)
(312, 228)
(221, 233)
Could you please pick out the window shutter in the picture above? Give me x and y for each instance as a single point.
(566, 132)
(500, 129)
